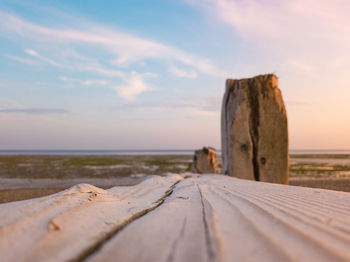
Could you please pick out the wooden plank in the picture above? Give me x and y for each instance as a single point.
(218, 218)
(67, 225)
(206, 218)
(173, 232)
(278, 223)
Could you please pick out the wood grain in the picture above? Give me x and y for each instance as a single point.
(200, 218)
(68, 225)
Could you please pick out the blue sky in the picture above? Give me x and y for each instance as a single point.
(151, 74)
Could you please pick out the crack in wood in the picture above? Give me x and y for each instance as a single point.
(174, 246)
(98, 245)
(254, 122)
(208, 239)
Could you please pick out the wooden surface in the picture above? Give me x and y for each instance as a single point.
(206, 218)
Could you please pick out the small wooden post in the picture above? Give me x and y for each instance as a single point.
(204, 161)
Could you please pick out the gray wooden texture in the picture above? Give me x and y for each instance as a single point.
(179, 218)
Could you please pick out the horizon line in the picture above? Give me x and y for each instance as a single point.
(159, 149)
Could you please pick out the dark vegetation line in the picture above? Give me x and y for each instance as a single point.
(98, 245)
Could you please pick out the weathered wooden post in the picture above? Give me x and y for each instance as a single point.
(254, 131)
(204, 161)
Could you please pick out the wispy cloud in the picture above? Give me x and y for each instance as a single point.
(32, 52)
(203, 106)
(133, 86)
(271, 19)
(182, 73)
(96, 68)
(126, 48)
(42, 58)
(318, 31)
(11, 106)
(64, 78)
(22, 60)
(94, 82)
(86, 82)
(35, 111)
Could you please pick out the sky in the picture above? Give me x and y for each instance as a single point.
(151, 74)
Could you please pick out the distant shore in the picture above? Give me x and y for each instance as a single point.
(125, 152)
(26, 176)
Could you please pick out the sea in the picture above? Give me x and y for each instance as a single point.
(149, 152)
